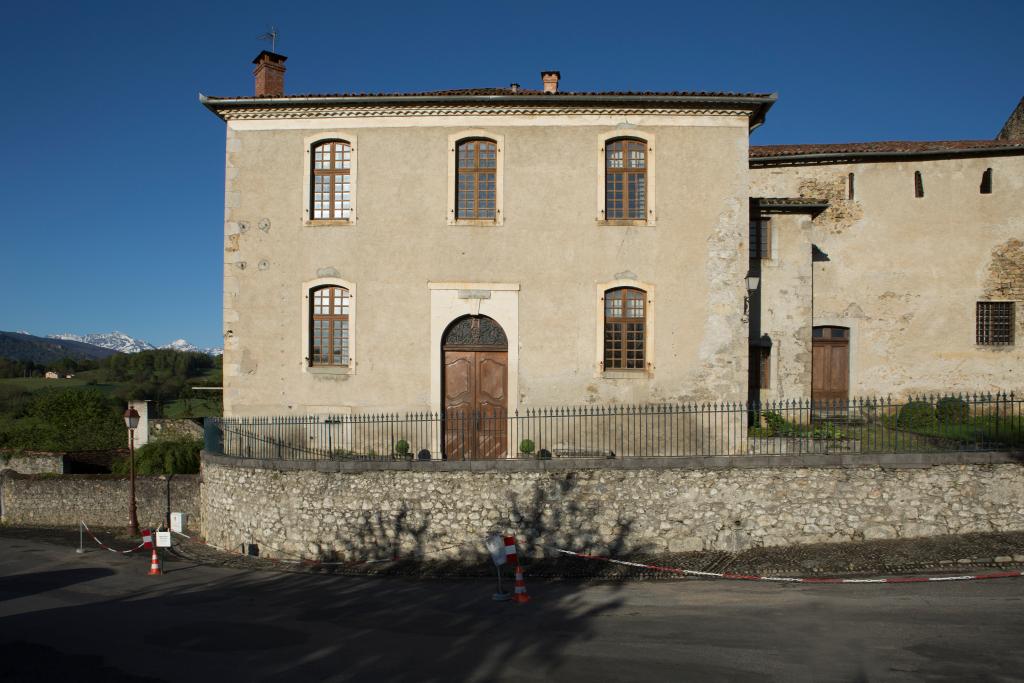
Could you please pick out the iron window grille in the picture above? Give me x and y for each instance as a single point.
(994, 326)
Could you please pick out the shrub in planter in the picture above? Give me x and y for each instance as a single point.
(543, 454)
(952, 410)
(916, 415)
(402, 447)
(526, 446)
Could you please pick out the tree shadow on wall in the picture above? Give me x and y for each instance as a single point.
(551, 516)
(548, 515)
(382, 537)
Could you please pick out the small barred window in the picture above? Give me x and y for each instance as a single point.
(994, 324)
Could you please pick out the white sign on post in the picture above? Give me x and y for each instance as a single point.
(163, 539)
(178, 522)
(496, 547)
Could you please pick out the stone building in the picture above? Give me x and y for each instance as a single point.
(506, 248)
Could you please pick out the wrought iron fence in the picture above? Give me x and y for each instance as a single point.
(934, 423)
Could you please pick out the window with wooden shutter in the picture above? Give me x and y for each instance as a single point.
(760, 238)
(625, 328)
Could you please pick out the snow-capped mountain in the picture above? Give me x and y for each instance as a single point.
(183, 345)
(117, 341)
(123, 343)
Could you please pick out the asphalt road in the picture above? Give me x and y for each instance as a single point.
(99, 617)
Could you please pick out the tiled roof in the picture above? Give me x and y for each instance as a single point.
(894, 147)
(508, 92)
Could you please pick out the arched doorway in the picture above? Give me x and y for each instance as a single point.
(474, 375)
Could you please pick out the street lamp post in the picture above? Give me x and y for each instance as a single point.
(131, 420)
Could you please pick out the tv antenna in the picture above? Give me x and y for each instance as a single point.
(271, 35)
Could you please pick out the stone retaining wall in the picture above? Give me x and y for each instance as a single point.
(344, 510)
(164, 430)
(32, 462)
(101, 500)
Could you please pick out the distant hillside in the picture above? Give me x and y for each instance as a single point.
(27, 347)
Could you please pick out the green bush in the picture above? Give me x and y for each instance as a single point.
(66, 420)
(916, 415)
(526, 446)
(951, 410)
(402, 447)
(163, 457)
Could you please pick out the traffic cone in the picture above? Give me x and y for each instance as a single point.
(520, 594)
(154, 565)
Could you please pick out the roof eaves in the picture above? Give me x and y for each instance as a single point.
(757, 103)
(853, 156)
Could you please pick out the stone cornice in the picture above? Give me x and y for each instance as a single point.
(249, 113)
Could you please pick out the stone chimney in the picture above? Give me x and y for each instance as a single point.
(1013, 129)
(269, 73)
(550, 79)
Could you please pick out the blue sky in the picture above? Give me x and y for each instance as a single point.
(111, 184)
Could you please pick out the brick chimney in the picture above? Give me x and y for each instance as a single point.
(269, 73)
(550, 79)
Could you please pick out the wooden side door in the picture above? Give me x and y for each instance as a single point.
(830, 364)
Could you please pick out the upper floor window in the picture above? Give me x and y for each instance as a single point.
(760, 238)
(625, 328)
(329, 326)
(477, 180)
(625, 179)
(994, 323)
(332, 181)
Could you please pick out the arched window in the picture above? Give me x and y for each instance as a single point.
(332, 180)
(625, 179)
(329, 326)
(476, 193)
(625, 327)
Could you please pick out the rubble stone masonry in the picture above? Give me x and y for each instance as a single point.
(357, 511)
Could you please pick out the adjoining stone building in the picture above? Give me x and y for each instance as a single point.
(511, 248)
(888, 268)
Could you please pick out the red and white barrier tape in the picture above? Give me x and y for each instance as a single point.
(106, 547)
(786, 579)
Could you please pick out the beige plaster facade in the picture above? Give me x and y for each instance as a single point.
(904, 273)
(538, 270)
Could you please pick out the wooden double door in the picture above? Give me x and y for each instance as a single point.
(830, 364)
(475, 378)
